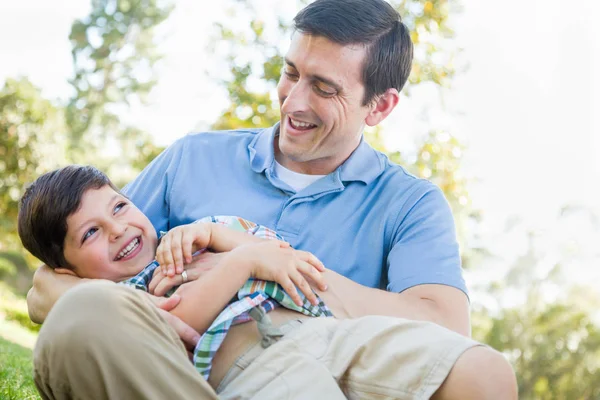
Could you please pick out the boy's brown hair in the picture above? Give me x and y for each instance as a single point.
(46, 205)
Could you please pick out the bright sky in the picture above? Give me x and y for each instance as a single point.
(525, 105)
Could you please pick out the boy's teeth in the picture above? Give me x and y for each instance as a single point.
(134, 243)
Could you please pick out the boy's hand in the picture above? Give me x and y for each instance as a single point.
(274, 260)
(178, 245)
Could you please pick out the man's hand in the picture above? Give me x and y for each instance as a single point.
(47, 288)
(186, 333)
(161, 283)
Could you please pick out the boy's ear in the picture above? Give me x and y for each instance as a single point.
(65, 271)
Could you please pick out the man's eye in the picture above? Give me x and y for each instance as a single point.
(290, 75)
(89, 233)
(119, 206)
(323, 92)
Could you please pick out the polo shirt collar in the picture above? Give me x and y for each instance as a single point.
(364, 164)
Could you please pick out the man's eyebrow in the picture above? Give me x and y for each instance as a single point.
(326, 81)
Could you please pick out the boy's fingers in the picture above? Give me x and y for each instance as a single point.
(166, 255)
(315, 275)
(287, 285)
(186, 244)
(304, 287)
(177, 252)
(311, 259)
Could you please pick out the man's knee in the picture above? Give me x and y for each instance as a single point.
(480, 373)
(84, 315)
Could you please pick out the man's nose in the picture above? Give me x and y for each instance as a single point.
(295, 98)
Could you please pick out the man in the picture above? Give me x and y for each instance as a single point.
(313, 179)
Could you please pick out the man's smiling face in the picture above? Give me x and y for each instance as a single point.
(320, 95)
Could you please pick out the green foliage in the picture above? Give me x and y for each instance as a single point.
(15, 270)
(30, 139)
(555, 348)
(16, 372)
(114, 55)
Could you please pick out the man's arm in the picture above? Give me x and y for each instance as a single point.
(422, 267)
(47, 288)
(441, 304)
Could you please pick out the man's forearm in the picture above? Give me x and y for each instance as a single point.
(47, 288)
(443, 305)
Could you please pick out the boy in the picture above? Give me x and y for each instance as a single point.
(75, 220)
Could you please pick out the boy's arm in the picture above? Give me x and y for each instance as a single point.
(224, 239)
(178, 245)
(203, 299)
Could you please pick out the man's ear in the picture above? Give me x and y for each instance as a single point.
(65, 271)
(383, 106)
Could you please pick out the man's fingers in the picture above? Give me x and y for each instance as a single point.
(186, 333)
(166, 284)
(165, 303)
(156, 279)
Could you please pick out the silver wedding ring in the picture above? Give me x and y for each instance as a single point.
(184, 277)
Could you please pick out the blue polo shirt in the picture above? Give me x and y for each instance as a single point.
(368, 220)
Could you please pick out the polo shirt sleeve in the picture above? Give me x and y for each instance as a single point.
(150, 191)
(425, 249)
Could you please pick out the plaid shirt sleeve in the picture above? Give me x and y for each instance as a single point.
(242, 225)
(142, 280)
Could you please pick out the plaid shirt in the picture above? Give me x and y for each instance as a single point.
(254, 293)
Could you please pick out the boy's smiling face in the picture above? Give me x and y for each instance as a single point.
(108, 237)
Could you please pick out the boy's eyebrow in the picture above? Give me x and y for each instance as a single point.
(326, 81)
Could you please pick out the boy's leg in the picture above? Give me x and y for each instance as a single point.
(106, 341)
(377, 358)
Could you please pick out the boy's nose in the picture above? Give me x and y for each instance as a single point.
(117, 229)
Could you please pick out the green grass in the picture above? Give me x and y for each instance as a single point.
(16, 372)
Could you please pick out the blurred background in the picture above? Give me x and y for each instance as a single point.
(501, 111)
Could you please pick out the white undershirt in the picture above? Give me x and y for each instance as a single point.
(295, 180)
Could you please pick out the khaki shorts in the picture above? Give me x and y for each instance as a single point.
(373, 357)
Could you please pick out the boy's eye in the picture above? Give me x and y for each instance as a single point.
(119, 206)
(89, 233)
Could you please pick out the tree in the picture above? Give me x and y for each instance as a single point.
(31, 141)
(114, 55)
(550, 335)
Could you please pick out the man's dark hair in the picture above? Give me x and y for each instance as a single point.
(372, 23)
(45, 206)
